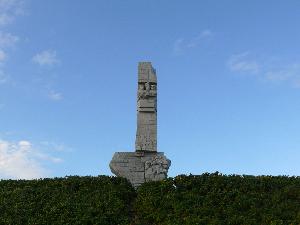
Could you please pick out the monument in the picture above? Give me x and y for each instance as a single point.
(145, 164)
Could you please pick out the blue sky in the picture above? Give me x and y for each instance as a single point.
(228, 84)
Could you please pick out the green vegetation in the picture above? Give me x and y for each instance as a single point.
(215, 199)
(208, 199)
(71, 200)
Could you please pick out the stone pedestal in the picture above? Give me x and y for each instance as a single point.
(139, 167)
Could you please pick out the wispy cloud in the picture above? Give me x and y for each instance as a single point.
(55, 96)
(8, 40)
(289, 73)
(182, 44)
(266, 69)
(4, 78)
(2, 56)
(178, 45)
(242, 63)
(20, 160)
(9, 10)
(204, 35)
(46, 58)
(56, 147)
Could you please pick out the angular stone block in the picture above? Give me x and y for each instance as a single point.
(140, 167)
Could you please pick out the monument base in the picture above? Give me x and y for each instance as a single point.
(139, 167)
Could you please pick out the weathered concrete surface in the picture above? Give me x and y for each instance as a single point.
(146, 133)
(139, 168)
(145, 164)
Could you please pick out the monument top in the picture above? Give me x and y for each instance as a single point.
(146, 73)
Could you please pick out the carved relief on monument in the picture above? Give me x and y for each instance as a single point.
(146, 90)
(157, 168)
(146, 135)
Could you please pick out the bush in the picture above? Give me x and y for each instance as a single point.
(207, 199)
(215, 199)
(71, 200)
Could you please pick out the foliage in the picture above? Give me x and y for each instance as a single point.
(70, 200)
(208, 199)
(216, 199)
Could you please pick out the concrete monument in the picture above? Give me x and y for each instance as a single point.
(145, 164)
(146, 134)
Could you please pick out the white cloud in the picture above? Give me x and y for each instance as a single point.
(242, 63)
(9, 10)
(267, 69)
(181, 44)
(16, 161)
(57, 147)
(22, 161)
(5, 19)
(49, 158)
(3, 77)
(289, 73)
(2, 56)
(56, 96)
(8, 40)
(47, 57)
(206, 33)
(178, 45)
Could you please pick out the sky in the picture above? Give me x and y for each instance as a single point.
(228, 84)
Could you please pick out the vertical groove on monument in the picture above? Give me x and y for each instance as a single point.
(145, 164)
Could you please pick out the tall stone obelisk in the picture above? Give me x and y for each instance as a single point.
(145, 164)
(146, 134)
